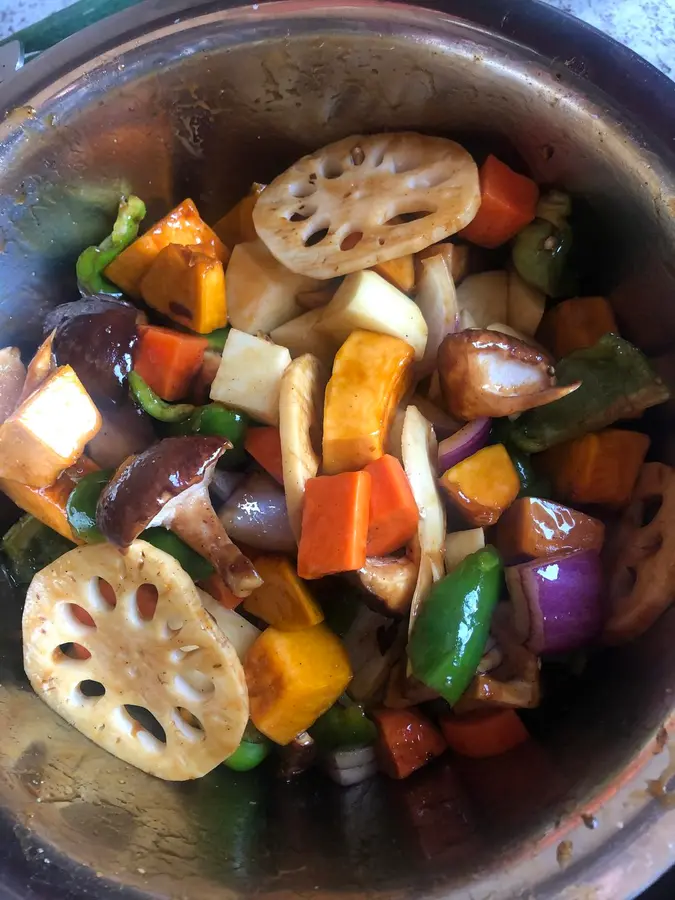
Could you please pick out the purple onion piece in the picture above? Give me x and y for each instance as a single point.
(557, 601)
(464, 443)
(256, 514)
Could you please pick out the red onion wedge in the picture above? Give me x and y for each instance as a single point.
(256, 514)
(464, 443)
(557, 601)
(443, 424)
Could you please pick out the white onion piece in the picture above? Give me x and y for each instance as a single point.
(525, 305)
(557, 601)
(506, 329)
(462, 544)
(483, 298)
(444, 425)
(437, 299)
(238, 630)
(420, 453)
(464, 443)
(347, 767)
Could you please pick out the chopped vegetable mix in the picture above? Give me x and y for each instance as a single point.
(344, 510)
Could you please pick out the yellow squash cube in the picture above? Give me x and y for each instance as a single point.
(293, 677)
(48, 431)
(283, 599)
(188, 286)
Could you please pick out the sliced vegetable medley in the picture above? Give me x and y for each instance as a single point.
(313, 484)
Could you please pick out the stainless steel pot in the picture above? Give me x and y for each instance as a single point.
(200, 98)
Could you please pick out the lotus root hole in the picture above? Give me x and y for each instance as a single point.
(102, 595)
(143, 725)
(91, 690)
(71, 651)
(78, 616)
(357, 156)
(146, 602)
(650, 509)
(331, 168)
(172, 626)
(305, 212)
(302, 189)
(316, 237)
(194, 685)
(180, 655)
(188, 724)
(351, 240)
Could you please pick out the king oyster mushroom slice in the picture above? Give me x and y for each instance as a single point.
(390, 584)
(486, 373)
(159, 686)
(168, 486)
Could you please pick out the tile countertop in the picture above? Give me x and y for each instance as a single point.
(647, 26)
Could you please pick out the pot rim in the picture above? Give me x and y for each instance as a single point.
(633, 846)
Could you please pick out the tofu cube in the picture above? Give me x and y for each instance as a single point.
(48, 431)
(249, 376)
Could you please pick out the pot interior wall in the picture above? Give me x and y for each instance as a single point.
(203, 113)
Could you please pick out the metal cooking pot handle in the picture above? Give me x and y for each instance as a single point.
(60, 25)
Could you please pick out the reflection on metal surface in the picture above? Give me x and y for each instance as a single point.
(203, 108)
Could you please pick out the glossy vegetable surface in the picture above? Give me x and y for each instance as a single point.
(92, 262)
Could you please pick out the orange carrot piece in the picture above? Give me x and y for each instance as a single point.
(168, 360)
(598, 468)
(216, 587)
(483, 734)
(578, 323)
(393, 512)
(407, 740)
(334, 524)
(508, 204)
(264, 445)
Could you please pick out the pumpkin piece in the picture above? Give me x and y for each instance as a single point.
(371, 373)
(48, 504)
(483, 486)
(183, 225)
(261, 291)
(249, 376)
(534, 528)
(282, 600)
(293, 677)
(48, 431)
(602, 467)
(400, 272)
(578, 323)
(236, 226)
(188, 286)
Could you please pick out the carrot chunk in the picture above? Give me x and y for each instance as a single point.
(508, 204)
(393, 511)
(168, 360)
(264, 445)
(334, 524)
(216, 588)
(407, 740)
(483, 734)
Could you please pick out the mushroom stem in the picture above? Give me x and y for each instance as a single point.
(192, 517)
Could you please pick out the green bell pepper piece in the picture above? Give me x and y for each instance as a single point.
(195, 565)
(82, 503)
(617, 382)
(30, 546)
(219, 421)
(452, 627)
(343, 726)
(153, 405)
(532, 483)
(555, 207)
(540, 255)
(254, 748)
(217, 338)
(92, 261)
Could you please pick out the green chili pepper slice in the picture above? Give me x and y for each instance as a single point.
(153, 404)
(540, 255)
(81, 505)
(195, 565)
(93, 261)
(342, 726)
(452, 627)
(30, 546)
(217, 338)
(219, 421)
